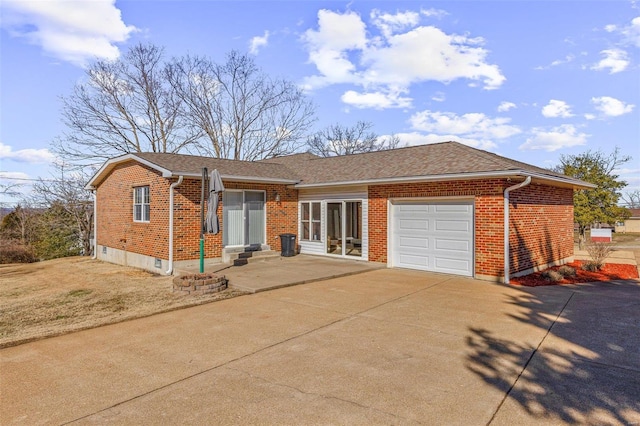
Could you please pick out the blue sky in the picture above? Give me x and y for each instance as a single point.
(530, 80)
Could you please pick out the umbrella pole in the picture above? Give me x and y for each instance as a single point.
(204, 178)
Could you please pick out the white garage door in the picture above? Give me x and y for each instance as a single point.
(434, 236)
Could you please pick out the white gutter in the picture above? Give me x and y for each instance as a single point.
(173, 185)
(453, 176)
(526, 182)
(95, 225)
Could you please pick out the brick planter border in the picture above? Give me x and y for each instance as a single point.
(199, 283)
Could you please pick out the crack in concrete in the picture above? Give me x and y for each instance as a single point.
(526, 364)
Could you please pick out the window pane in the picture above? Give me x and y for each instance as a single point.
(305, 230)
(146, 213)
(137, 212)
(305, 211)
(136, 195)
(316, 211)
(145, 190)
(316, 231)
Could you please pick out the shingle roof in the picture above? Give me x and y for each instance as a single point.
(440, 159)
(192, 165)
(420, 162)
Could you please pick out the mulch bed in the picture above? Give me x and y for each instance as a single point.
(609, 272)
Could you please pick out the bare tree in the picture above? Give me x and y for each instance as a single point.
(342, 140)
(631, 199)
(124, 106)
(10, 189)
(245, 114)
(66, 191)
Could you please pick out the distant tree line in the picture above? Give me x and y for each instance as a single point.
(55, 221)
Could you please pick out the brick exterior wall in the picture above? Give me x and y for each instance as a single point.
(541, 218)
(541, 221)
(115, 225)
(117, 229)
(540, 226)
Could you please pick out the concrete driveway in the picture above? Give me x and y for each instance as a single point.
(383, 347)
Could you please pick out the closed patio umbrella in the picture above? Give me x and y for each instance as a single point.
(215, 186)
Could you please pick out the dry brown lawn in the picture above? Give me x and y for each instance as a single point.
(59, 296)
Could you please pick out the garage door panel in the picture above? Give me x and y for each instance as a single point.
(452, 265)
(413, 224)
(414, 262)
(452, 208)
(452, 225)
(435, 236)
(453, 245)
(409, 208)
(413, 242)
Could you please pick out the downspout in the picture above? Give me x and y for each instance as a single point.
(95, 225)
(173, 185)
(507, 266)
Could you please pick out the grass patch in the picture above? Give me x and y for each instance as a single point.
(79, 292)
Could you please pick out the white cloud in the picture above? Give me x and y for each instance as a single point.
(439, 97)
(436, 13)
(376, 100)
(390, 24)
(630, 33)
(556, 108)
(72, 30)
(590, 116)
(29, 155)
(611, 107)
(258, 42)
(417, 138)
(475, 126)
(344, 50)
(4, 176)
(560, 137)
(506, 106)
(615, 60)
(566, 60)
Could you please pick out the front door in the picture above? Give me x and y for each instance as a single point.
(243, 218)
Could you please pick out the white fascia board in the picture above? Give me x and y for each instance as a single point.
(456, 176)
(109, 164)
(236, 178)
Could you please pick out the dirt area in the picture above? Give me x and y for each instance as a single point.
(58, 296)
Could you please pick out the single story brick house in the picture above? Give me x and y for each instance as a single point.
(442, 207)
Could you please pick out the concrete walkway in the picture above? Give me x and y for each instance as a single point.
(617, 256)
(382, 347)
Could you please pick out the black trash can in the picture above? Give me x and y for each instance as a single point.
(288, 244)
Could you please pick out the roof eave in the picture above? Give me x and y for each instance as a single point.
(166, 173)
(111, 163)
(539, 177)
(237, 178)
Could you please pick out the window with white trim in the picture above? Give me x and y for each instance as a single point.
(310, 220)
(141, 207)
